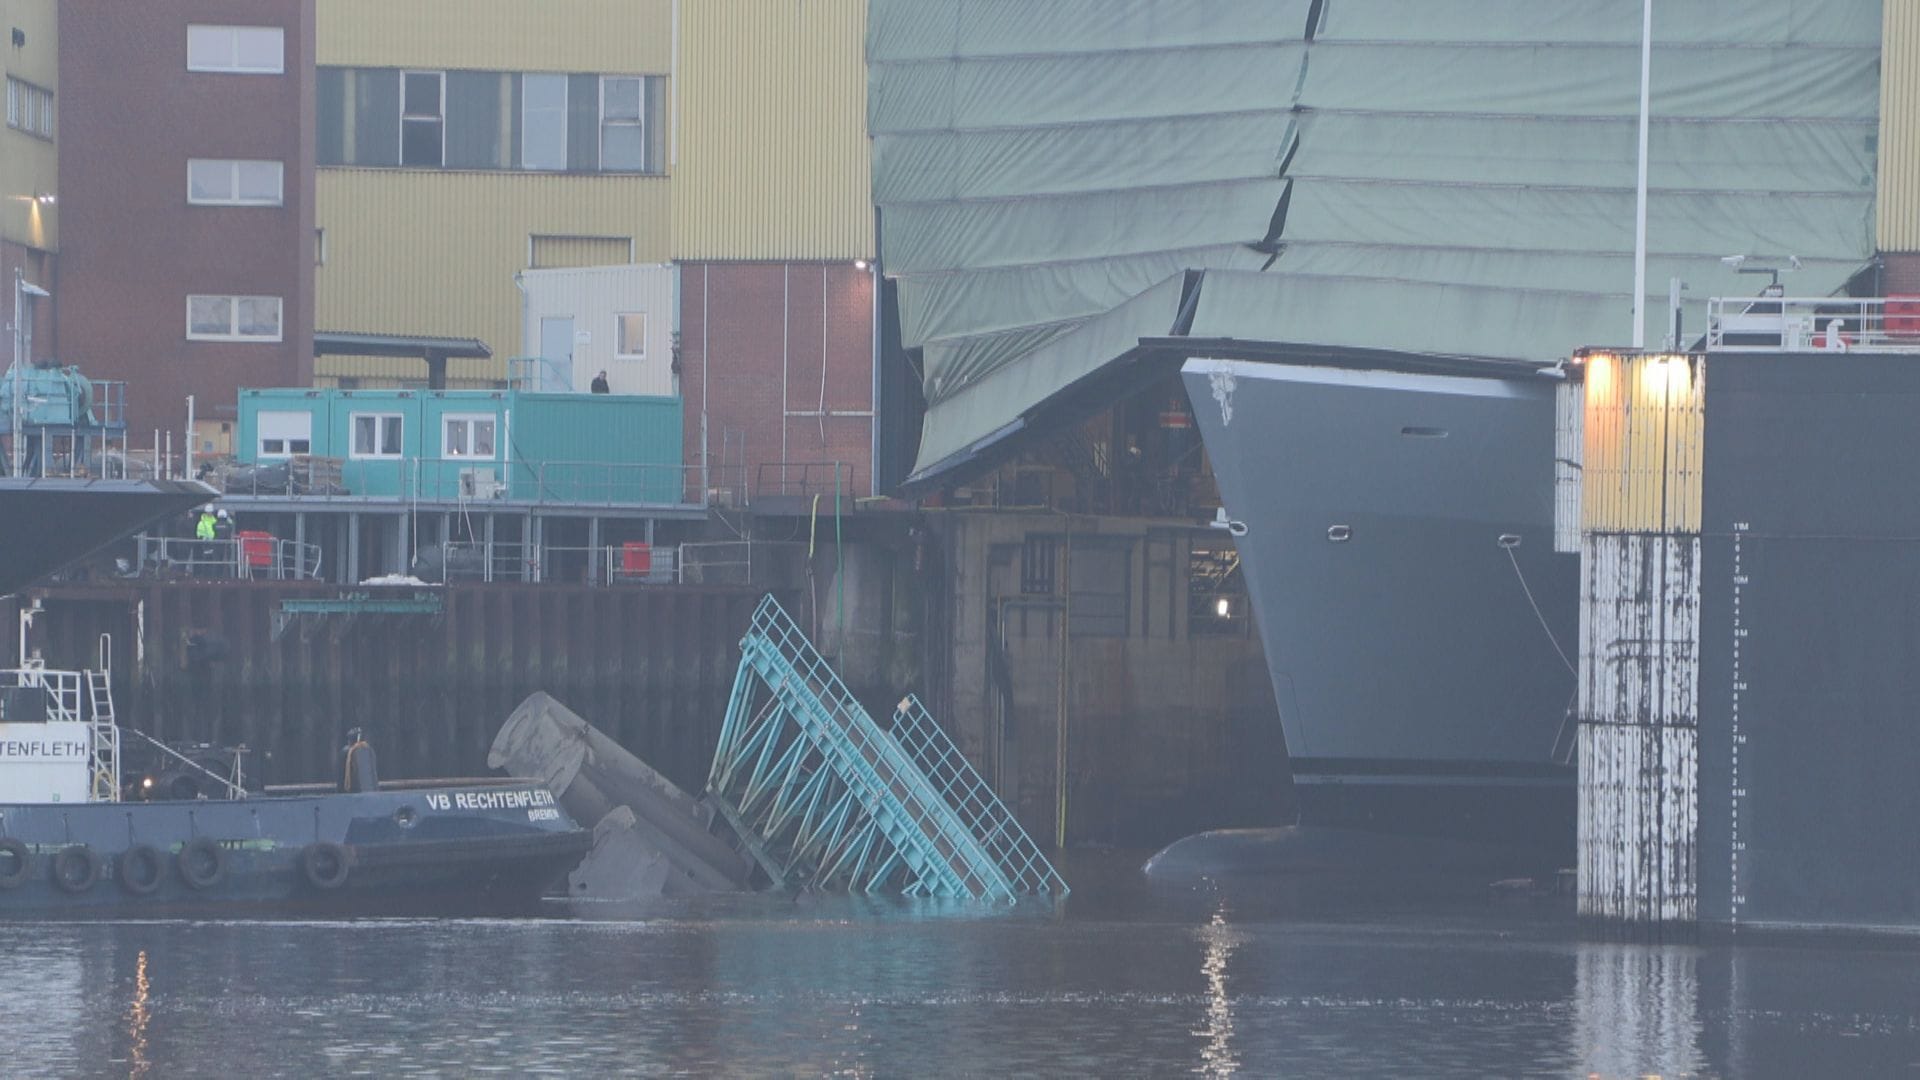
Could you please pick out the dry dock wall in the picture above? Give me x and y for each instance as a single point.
(199, 663)
(1810, 642)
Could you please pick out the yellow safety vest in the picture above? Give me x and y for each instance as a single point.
(204, 530)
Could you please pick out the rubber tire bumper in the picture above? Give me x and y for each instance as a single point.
(139, 869)
(326, 865)
(202, 863)
(76, 868)
(21, 862)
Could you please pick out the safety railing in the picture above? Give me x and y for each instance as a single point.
(476, 481)
(736, 562)
(803, 479)
(1814, 324)
(961, 787)
(247, 558)
(57, 697)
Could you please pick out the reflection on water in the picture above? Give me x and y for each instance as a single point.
(1136, 981)
(1216, 1057)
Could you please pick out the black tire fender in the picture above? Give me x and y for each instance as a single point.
(16, 861)
(202, 863)
(139, 869)
(76, 868)
(326, 865)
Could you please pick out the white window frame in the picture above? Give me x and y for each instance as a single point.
(639, 122)
(29, 108)
(441, 119)
(233, 66)
(379, 428)
(233, 319)
(565, 101)
(448, 450)
(233, 176)
(617, 342)
(283, 426)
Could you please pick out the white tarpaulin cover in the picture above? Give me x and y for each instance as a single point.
(1432, 176)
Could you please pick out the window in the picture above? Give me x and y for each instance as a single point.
(212, 182)
(249, 50)
(233, 318)
(623, 143)
(1217, 601)
(423, 123)
(29, 108)
(376, 435)
(285, 433)
(467, 435)
(630, 336)
(543, 122)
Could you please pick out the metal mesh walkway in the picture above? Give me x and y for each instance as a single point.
(827, 799)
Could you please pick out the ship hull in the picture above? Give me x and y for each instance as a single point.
(52, 523)
(479, 850)
(1396, 535)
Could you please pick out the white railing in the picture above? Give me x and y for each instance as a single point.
(253, 558)
(1814, 324)
(61, 690)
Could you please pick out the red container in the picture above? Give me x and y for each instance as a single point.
(256, 548)
(636, 558)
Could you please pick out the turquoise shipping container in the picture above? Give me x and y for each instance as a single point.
(458, 445)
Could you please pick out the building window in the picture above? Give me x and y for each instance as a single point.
(623, 144)
(29, 108)
(377, 435)
(467, 435)
(283, 434)
(247, 50)
(1217, 601)
(214, 182)
(423, 120)
(543, 122)
(233, 318)
(630, 336)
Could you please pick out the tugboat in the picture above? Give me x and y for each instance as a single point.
(184, 839)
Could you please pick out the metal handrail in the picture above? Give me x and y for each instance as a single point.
(1814, 324)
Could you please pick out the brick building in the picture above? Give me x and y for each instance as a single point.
(186, 184)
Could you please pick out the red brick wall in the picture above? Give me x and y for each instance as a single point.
(41, 268)
(132, 249)
(751, 362)
(1900, 273)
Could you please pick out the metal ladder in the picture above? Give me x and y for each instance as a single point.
(825, 798)
(105, 753)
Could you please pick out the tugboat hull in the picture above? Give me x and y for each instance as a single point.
(456, 850)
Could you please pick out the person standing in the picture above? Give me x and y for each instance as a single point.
(600, 384)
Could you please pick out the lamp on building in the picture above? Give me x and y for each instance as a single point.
(859, 264)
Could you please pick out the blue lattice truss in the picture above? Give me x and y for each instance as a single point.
(827, 799)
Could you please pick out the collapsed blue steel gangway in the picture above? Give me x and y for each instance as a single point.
(827, 799)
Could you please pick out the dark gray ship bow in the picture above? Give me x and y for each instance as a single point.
(1396, 533)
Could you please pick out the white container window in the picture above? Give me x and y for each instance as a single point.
(233, 318)
(246, 50)
(423, 119)
(468, 435)
(283, 434)
(543, 122)
(29, 108)
(377, 435)
(630, 336)
(215, 182)
(622, 133)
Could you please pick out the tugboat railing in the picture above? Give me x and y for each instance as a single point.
(62, 689)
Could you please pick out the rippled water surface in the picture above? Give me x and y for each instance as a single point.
(1304, 978)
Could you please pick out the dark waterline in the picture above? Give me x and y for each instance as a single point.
(1316, 975)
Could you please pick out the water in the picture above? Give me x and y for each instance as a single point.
(1304, 977)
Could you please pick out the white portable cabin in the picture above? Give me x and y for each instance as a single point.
(617, 319)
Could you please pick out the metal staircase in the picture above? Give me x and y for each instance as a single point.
(824, 798)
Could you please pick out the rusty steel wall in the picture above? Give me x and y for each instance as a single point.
(1642, 443)
(651, 668)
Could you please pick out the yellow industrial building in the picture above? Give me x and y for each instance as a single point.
(29, 158)
(462, 141)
